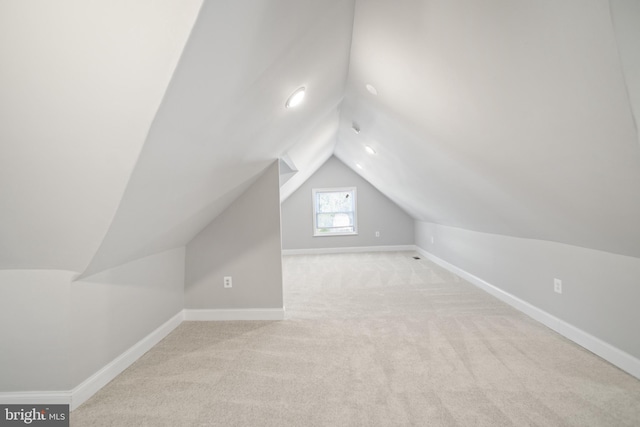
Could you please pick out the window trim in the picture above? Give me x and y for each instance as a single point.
(354, 191)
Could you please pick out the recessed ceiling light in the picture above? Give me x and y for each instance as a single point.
(296, 98)
(372, 89)
(359, 165)
(355, 127)
(369, 149)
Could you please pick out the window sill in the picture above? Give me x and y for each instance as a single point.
(333, 234)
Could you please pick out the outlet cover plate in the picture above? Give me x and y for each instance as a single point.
(557, 286)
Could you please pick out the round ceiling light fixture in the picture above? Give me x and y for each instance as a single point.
(369, 149)
(296, 98)
(372, 90)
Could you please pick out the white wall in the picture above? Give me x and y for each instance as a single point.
(34, 326)
(375, 213)
(81, 84)
(113, 310)
(600, 290)
(243, 242)
(57, 332)
(626, 16)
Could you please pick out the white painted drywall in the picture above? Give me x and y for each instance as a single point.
(600, 290)
(56, 332)
(34, 329)
(80, 84)
(223, 118)
(509, 118)
(625, 15)
(243, 242)
(375, 213)
(311, 152)
(113, 310)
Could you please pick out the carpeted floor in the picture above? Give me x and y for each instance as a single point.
(375, 339)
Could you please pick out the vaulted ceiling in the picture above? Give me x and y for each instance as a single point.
(508, 117)
(127, 126)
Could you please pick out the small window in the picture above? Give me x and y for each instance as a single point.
(334, 211)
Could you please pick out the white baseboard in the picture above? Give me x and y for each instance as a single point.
(354, 249)
(95, 382)
(612, 354)
(36, 398)
(80, 394)
(90, 386)
(234, 314)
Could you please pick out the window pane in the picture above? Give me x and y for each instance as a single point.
(325, 220)
(335, 211)
(335, 202)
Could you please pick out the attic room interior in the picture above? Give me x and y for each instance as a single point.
(164, 208)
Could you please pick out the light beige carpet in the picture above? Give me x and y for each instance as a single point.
(376, 339)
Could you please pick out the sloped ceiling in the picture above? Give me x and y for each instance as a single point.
(80, 83)
(223, 119)
(504, 117)
(129, 126)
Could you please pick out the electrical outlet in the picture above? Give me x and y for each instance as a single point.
(377, 234)
(228, 282)
(557, 286)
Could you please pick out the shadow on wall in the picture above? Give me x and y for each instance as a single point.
(243, 242)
